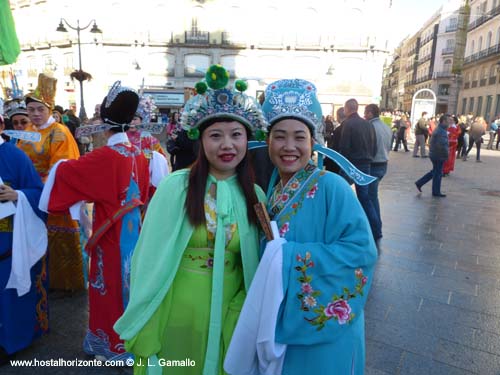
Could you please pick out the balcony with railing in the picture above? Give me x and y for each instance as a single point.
(492, 80)
(482, 82)
(197, 37)
(411, 52)
(409, 68)
(451, 28)
(426, 40)
(410, 82)
(466, 85)
(447, 74)
(486, 17)
(424, 59)
(423, 79)
(494, 50)
(473, 84)
(448, 51)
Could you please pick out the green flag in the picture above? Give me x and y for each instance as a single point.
(9, 44)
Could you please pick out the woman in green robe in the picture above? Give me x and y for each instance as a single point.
(198, 248)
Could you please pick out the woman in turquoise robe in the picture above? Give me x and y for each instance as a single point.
(329, 254)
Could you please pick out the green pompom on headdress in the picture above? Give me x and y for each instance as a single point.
(201, 87)
(241, 85)
(217, 77)
(214, 100)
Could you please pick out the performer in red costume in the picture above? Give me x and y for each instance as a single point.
(453, 133)
(116, 178)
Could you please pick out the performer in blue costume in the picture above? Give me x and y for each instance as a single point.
(324, 256)
(23, 312)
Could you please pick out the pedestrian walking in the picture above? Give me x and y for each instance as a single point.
(493, 132)
(402, 126)
(477, 130)
(438, 152)
(421, 132)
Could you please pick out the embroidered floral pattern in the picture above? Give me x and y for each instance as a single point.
(207, 261)
(126, 150)
(282, 196)
(338, 309)
(211, 220)
(284, 229)
(312, 192)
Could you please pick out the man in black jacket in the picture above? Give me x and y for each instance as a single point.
(358, 144)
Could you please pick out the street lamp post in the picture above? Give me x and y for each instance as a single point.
(81, 76)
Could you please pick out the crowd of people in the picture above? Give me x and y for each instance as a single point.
(447, 138)
(177, 261)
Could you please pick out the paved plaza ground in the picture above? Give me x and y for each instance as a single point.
(434, 307)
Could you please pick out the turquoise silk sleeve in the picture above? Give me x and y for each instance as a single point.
(327, 267)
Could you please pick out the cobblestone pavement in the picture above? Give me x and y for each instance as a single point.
(434, 307)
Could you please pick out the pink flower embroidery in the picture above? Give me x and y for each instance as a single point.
(284, 197)
(284, 229)
(309, 301)
(339, 309)
(311, 193)
(306, 288)
(294, 185)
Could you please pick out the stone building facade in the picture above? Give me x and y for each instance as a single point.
(166, 46)
(480, 93)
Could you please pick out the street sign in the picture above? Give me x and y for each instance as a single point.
(167, 99)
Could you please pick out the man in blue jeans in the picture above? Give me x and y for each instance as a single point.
(358, 144)
(438, 153)
(378, 166)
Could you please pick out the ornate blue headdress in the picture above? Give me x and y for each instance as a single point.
(214, 100)
(15, 107)
(145, 108)
(295, 98)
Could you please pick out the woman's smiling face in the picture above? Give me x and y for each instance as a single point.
(290, 147)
